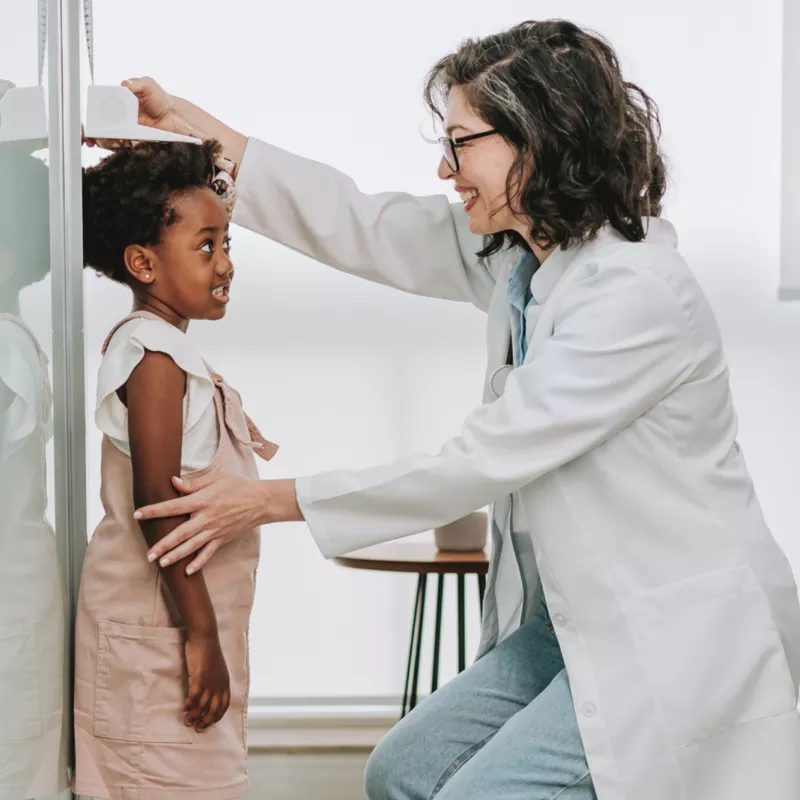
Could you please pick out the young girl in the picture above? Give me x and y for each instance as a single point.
(161, 657)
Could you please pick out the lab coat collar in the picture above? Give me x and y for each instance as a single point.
(549, 273)
(657, 231)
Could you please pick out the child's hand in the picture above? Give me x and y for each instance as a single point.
(209, 692)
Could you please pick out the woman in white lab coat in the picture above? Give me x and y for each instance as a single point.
(641, 633)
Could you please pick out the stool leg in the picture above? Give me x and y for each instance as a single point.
(481, 590)
(462, 627)
(423, 583)
(411, 648)
(437, 636)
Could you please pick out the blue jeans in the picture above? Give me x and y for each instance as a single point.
(505, 728)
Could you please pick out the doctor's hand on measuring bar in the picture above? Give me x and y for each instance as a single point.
(219, 506)
(161, 110)
(155, 110)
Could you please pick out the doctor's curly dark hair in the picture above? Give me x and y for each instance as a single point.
(557, 94)
(128, 198)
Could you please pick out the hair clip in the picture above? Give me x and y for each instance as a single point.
(222, 183)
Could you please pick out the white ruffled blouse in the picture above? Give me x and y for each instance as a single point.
(125, 350)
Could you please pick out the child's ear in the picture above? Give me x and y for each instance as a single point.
(140, 263)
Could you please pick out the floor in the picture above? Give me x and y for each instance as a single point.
(307, 775)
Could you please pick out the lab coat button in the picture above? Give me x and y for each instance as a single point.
(560, 620)
(589, 709)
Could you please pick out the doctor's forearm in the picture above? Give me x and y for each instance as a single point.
(191, 120)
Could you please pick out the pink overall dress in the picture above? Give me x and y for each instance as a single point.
(130, 677)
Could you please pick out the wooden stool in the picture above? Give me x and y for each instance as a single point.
(425, 559)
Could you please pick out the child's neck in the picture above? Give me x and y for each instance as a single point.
(160, 309)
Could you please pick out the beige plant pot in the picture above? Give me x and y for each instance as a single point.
(467, 534)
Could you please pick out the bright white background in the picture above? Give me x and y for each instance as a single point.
(342, 373)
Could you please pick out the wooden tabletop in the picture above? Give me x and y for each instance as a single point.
(417, 557)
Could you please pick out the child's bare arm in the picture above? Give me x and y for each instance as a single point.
(154, 396)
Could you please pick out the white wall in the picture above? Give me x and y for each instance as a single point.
(343, 373)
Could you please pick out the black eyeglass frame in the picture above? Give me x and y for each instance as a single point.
(450, 146)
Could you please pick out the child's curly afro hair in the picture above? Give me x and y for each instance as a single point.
(128, 198)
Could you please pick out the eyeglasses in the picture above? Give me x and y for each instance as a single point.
(450, 146)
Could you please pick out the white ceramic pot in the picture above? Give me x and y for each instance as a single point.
(467, 534)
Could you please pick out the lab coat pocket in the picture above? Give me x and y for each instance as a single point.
(141, 684)
(711, 653)
(21, 716)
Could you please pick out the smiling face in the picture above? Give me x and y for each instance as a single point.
(190, 270)
(484, 165)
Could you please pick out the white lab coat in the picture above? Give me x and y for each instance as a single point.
(675, 609)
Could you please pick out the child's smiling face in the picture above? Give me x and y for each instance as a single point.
(190, 270)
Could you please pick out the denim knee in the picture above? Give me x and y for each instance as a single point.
(379, 772)
(389, 774)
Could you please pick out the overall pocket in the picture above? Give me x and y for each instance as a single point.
(141, 684)
(21, 716)
(711, 653)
